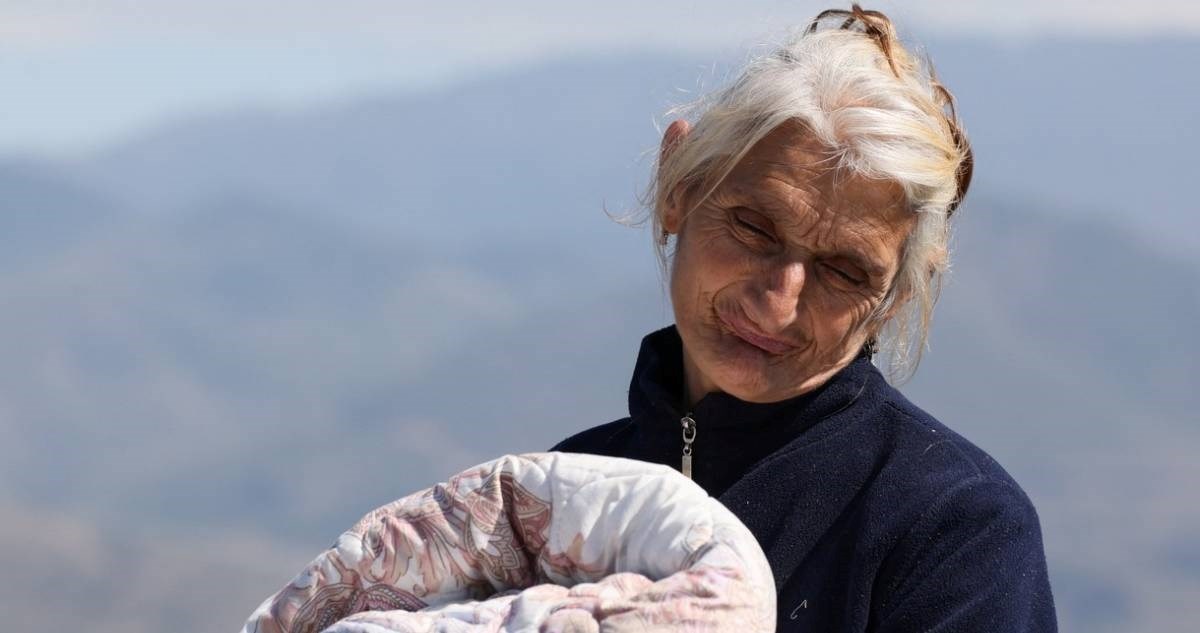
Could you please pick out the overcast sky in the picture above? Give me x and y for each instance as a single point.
(78, 73)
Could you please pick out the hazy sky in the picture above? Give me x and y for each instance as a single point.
(77, 73)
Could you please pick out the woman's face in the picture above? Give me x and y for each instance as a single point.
(775, 274)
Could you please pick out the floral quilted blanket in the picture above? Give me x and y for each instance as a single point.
(547, 542)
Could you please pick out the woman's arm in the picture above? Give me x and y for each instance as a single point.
(973, 562)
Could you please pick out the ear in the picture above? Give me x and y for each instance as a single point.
(673, 211)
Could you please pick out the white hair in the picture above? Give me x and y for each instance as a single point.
(880, 114)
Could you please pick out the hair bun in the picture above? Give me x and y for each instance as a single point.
(874, 24)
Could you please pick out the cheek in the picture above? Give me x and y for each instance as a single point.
(836, 319)
(706, 262)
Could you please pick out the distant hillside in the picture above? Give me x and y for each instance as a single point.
(1081, 125)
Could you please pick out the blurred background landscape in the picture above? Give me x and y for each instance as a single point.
(267, 266)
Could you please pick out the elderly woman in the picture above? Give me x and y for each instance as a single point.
(809, 204)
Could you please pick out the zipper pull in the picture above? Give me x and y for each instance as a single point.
(689, 436)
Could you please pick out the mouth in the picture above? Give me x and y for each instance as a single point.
(740, 328)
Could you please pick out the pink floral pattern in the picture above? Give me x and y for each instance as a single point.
(536, 542)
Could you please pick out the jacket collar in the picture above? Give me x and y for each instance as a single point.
(656, 393)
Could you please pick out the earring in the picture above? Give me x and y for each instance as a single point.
(663, 240)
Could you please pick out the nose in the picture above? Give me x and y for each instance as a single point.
(778, 298)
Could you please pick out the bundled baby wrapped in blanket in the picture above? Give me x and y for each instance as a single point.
(547, 542)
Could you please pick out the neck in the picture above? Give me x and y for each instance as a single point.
(696, 384)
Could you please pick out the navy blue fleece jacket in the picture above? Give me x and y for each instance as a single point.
(874, 515)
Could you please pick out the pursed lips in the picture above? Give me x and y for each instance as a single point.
(742, 330)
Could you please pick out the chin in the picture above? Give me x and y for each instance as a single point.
(754, 375)
(750, 385)
(734, 366)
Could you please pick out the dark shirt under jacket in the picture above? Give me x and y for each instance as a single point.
(874, 515)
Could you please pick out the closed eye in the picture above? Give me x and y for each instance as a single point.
(847, 276)
(752, 227)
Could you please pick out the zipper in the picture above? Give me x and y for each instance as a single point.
(689, 436)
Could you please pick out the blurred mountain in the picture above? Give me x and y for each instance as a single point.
(1097, 127)
(46, 212)
(239, 333)
(1080, 124)
(502, 154)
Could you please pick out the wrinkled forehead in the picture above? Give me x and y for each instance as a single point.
(790, 162)
(802, 189)
(800, 196)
